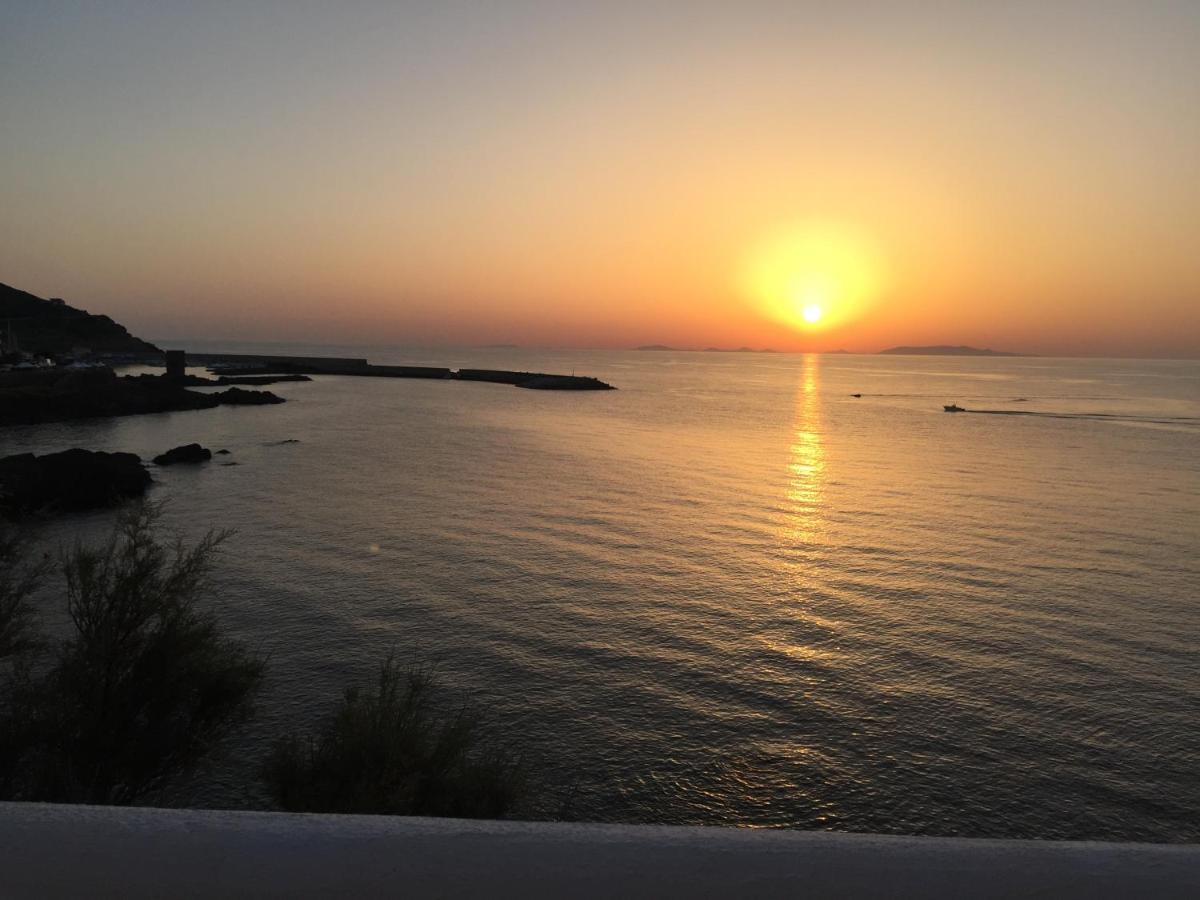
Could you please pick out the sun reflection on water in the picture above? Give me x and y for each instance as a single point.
(806, 464)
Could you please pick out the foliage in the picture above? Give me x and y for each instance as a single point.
(19, 578)
(145, 685)
(392, 751)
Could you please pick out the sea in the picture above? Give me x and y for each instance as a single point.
(762, 590)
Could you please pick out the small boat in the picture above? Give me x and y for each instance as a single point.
(953, 407)
(856, 395)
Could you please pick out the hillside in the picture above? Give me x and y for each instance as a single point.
(51, 326)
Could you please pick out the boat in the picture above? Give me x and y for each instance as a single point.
(953, 407)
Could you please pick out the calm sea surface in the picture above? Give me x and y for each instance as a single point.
(730, 592)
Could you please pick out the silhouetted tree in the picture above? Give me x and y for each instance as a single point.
(145, 685)
(19, 578)
(392, 751)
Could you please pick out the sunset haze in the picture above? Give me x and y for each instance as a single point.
(1022, 176)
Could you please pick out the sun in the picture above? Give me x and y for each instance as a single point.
(814, 276)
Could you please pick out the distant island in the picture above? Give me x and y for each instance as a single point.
(51, 327)
(660, 347)
(737, 350)
(945, 350)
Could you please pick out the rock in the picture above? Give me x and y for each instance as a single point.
(59, 394)
(72, 479)
(55, 395)
(222, 453)
(238, 397)
(188, 453)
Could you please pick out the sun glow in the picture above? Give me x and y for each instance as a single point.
(815, 276)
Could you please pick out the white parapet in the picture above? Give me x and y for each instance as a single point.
(49, 850)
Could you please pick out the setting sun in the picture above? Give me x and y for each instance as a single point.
(815, 274)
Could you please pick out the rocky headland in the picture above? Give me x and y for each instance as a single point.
(51, 327)
(58, 394)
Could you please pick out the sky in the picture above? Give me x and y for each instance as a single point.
(800, 176)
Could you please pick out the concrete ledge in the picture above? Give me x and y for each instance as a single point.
(71, 851)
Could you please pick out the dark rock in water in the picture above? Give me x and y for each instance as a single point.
(234, 463)
(188, 453)
(72, 479)
(222, 453)
(238, 397)
(281, 443)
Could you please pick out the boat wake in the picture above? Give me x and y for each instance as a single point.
(1098, 417)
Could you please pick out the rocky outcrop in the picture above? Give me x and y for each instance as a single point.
(70, 480)
(90, 393)
(55, 395)
(188, 453)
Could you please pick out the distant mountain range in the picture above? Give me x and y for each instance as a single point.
(53, 327)
(944, 350)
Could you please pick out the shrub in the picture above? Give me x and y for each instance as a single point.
(19, 578)
(392, 751)
(145, 685)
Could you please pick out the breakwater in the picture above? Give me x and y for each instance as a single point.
(249, 364)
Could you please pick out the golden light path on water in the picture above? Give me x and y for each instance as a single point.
(803, 533)
(806, 469)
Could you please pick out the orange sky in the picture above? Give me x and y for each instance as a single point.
(1024, 178)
